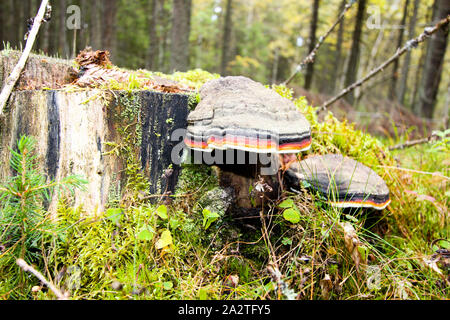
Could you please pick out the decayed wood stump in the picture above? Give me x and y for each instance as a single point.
(40, 71)
(84, 132)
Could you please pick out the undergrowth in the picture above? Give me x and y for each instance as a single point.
(297, 248)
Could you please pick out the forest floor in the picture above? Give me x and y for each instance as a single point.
(177, 250)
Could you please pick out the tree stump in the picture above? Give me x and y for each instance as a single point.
(100, 135)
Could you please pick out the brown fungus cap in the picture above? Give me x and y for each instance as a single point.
(239, 113)
(345, 182)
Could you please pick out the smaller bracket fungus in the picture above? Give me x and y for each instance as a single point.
(345, 182)
(239, 113)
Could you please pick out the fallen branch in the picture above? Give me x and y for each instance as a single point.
(15, 74)
(312, 56)
(407, 144)
(25, 267)
(435, 174)
(413, 43)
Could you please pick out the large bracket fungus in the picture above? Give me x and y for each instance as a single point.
(345, 182)
(239, 113)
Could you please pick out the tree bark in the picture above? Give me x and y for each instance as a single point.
(395, 75)
(2, 24)
(181, 25)
(153, 50)
(226, 44)
(63, 46)
(109, 26)
(434, 64)
(353, 63)
(95, 25)
(312, 43)
(405, 69)
(338, 51)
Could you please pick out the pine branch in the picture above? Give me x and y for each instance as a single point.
(413, 43)
(31, 38)
(312, 56)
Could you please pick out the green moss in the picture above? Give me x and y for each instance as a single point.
(334, 136)
(193, 78)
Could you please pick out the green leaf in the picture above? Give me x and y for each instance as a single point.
(147, 233)
(292, 215)
(286, 241)
(306, 184)
(168, 285)
(162, 212)
(114, 214)
(174, 223)
(288, 203)
(165, 240)
(351, 218)
(209, 217)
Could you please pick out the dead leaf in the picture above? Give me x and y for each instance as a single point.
(353, 244)
(326, 285)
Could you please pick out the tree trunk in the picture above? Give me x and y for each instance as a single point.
(312, 44)
(181, 25)
(63, 46)
(405, 69)
(153, 50)
(109, 26)
(353, 63)
(164, 20)
(2, 23)
(338, 51)
(95, 25)
(276, 60)
(434, 63)
(395, 75)
(226, 44)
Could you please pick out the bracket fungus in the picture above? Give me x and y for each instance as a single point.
(345, 182)
(239, 113)
(254, 123)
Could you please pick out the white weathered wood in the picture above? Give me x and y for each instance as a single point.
(27, 268)
(15, 74)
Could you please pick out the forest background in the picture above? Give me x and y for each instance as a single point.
(263, 39)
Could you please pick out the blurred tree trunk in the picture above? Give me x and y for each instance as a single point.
(395, 74)
(20, 22)
(405, 69)
(109, 26)
(152, 55)
(338, 52)
(312, 44)
(165, 28)
(434, 63)
(63, 45)
(95, 26)
(353, 63)
(2, 23)
(181, 27)
(226, 44)
(276, 60)
(429, 16)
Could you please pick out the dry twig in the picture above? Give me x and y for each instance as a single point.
(413, 43)
(27, 268)
(312, 55)
(407, 144)
(15, 74)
